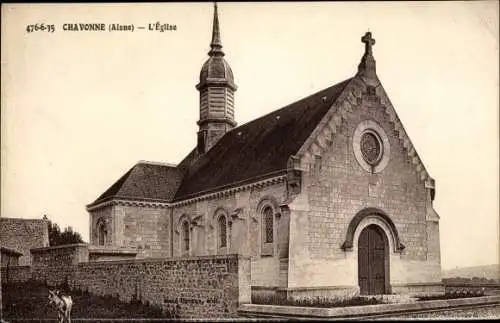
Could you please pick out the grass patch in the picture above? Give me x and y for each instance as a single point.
(29, 300)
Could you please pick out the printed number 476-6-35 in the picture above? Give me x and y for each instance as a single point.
(40, 27)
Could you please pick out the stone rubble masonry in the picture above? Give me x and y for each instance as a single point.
(23, 234)
(196, 287)
(55, 265)
(19, 274)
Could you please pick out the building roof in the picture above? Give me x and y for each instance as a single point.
(260, 147)
(145, 181)
(255, 150)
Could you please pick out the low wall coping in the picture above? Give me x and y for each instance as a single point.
(68, 246)
(300, 311)
(113, 251)
(172, 259)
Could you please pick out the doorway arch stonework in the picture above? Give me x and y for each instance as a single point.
(369, 216)
(393, 247)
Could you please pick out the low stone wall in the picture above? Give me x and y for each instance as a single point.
(18, 274)
(56, 265)
(191, 287)
(211, 286)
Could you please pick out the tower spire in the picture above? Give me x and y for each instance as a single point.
(215, 45)
(216, 89)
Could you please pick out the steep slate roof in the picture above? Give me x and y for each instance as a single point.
(145, 181)
(260, 147)
(257, 149)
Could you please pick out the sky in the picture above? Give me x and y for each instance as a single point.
(79, 108)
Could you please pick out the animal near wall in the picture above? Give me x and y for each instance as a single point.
(205, 286)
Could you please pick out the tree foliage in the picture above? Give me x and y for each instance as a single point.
(59, 237)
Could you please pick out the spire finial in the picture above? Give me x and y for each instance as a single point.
(216, 45)
(367, 65)
(369, 42)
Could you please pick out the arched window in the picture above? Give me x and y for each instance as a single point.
(222, 231)
(101, 233)
(268, 220)
(185, 237)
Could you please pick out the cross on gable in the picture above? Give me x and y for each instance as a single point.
(369, 42)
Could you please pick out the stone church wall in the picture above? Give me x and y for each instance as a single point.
(433, 246)
(244, 233)
(145, 228)
(149, 229)
(131, 226)
(335, 188)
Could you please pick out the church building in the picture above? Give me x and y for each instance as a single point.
(326, 195)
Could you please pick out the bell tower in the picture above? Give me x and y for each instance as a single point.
(216, 89)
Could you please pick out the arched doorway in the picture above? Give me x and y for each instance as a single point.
(373, 261)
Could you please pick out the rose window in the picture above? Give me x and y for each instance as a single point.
(370, 148)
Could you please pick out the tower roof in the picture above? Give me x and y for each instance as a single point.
(216, 71)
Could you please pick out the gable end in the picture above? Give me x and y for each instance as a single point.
(347, 101)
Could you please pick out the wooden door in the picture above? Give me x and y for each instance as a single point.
(372, 261)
